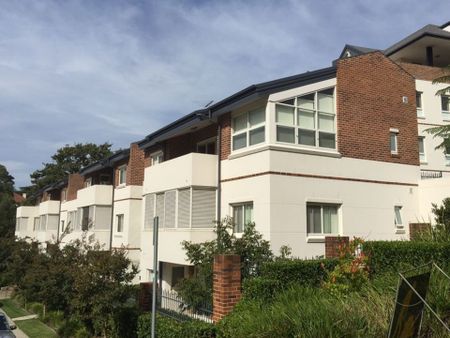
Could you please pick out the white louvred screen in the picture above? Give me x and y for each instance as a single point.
(149, 211)
(184, 208)
(169, 209)
(203, 208)
(160, 209)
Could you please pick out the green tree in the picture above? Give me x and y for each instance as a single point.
(253, 249)
(443, 132)
(67, 160)
(7, 205)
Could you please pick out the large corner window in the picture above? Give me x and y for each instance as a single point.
(249, 128)
(308, 120)
(156, 158)
(207, 146)
(122, 175)
(445, 106)
(419, 107)
(242, 215)
(322, 219)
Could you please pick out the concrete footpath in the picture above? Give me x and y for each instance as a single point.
(18, 332)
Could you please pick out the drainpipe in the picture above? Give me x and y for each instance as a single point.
(59, 218)
(112, 208)
(430, 56)
(219, 171)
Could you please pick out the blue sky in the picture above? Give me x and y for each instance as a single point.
(97, 71)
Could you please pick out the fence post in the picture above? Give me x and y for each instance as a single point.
(226, 284)
(332, 244)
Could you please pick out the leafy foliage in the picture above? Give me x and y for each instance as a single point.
(252, 248)
(352, 272)
(171, 328)
(7, 206)
(67, 160)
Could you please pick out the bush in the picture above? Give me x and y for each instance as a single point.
(37, 308)
(69, 328)
(54, 319)
(171, 328)
(125, 322)
(260, 288)
(303, 272)
(392, 256)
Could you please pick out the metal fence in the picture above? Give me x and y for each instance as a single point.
(430, 174)
(172, 305)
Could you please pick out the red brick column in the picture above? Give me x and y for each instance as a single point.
(332, 244)
(226, 284)
(416, 228)
(145, 296)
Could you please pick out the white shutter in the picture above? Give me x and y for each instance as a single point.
(149, 211)
(52, 222)
(169, 209)
(23, 223)
(102, 218)
(184, 208)
(43, 222)
(160, 209)
(203, 208)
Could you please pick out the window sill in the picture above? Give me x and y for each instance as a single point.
(400, 231)
(286, 148)
(315, 239)
(121, 185)
(421, 117)
(395, 155)
(423, 162)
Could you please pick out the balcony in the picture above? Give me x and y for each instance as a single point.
(95, 195)
(127, 192)
(189, 170)
(49, 207)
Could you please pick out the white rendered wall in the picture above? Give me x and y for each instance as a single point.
(432, 191)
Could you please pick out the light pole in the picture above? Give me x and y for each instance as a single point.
(155, 272)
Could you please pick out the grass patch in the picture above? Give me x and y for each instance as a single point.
(12, 309)
(36, 329)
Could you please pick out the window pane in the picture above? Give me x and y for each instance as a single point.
(325, 102)
(257, 136)
(418, 99)
(307, 137)
(398, 216)
(237, 218)
(393, 137)
(330, 220)
(327, 140)
(421, 146)
(445, 103)
(248, 213)
(290, 101)
(240, 122)
(306, 101)
(257, 116)
(285, 134)
(285, 115)
(306, 119)
(239, 141)
(326, 122)
(313, 219)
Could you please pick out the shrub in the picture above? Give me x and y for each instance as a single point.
(260, 288)
(37, 308)
(125, 322)
(386, 256)
(303, 272)
(69, 328)
(171, 328)
(54, 318)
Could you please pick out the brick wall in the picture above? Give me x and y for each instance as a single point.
(369, 102)
(421, 72)
(416, 229)
(135, 168)
(225, 137)
(333, 245)
(74, 183)
(226, 284)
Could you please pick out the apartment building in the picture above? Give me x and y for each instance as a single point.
(337, 151)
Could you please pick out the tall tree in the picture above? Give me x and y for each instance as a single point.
(67, 160)
(7, 205)
(443, 132)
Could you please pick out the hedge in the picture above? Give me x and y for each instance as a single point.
(393, 256)
(171, 328)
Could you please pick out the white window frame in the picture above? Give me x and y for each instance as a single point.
(419, 108)
(248, 129)
(316, 113)
(156, 158)
(445, 113)
(422, 156)
(322, 234)
(447, 156)
(120, 217)
(64, 195)
(206, 142)
(120, 170)
(393, 132)
(242, 205)
(398, 217)
(88, 182)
